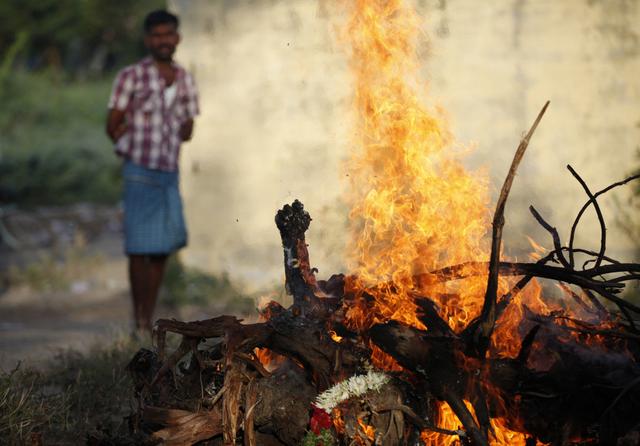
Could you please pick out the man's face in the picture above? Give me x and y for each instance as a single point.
(162, 40)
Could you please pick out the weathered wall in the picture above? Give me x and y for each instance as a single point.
(275, 122)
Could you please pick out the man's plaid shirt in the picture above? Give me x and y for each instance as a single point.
(152, 138)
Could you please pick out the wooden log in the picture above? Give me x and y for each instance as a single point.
(273, 408)
(231, 414)
(292, 222)
(284, 404)
(250, 402)
(181, 427)
(576, 396)
(305, 339)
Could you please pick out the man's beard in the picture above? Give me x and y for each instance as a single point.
(164, 53)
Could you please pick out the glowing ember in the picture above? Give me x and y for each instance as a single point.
(448, 420)
(335, 336)
(368, 430)
(269, 360)
(338, 422)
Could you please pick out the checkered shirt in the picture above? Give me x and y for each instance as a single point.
(152, 138)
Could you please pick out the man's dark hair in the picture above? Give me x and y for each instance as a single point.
(159, 17)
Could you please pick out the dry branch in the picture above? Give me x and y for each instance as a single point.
(586, 206)
(181, 427)
(488, 314)
(592, 200)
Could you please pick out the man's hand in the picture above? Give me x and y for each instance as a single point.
(186, 130)
(116, 124)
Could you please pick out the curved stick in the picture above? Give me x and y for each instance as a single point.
(626, 277)
(592, 199)
(554, 234)
(580, 278)
(488, 314)
(596, 206)
(614, 268)
(591, 253)
(586, 206)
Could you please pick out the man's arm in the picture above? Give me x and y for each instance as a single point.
(121, 94)
(116, 124)
(191, 107)
(186, 130)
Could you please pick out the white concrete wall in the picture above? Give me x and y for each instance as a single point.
(276, 108)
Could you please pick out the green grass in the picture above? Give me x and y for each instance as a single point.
(76, 395)
(53, 149)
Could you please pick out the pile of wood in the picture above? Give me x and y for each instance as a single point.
(215, 388)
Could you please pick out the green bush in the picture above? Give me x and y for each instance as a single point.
(53, 149)
(77, 36)
(54, 84)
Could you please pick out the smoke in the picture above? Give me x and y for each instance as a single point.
(275, 124)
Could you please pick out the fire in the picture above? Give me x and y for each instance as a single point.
(538, 250)
(448, 420)
(367, 430)
(414, 206)
(335, 336)
(382, 360)
(269, 360)
(338, 421)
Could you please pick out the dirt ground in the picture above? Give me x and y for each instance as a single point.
(63, 284)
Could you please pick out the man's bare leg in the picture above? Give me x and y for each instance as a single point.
(138, 272)
(156, 273)
(145, 277)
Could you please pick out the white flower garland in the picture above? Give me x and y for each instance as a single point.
(355, 386)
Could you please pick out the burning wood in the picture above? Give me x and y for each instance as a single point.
(424, 341)
(573, 381)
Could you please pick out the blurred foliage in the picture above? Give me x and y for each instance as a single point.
(183, 285)
(53, 149)
(57, 61)
(77, 36)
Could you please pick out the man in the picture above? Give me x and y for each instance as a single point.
(151, 113)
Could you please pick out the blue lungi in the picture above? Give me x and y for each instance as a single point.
(153, 218)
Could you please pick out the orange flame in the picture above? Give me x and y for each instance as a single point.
(368, 430)
(448, 420)
(414, 206)
(338, 421)
(269, 360)
(335, 336)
